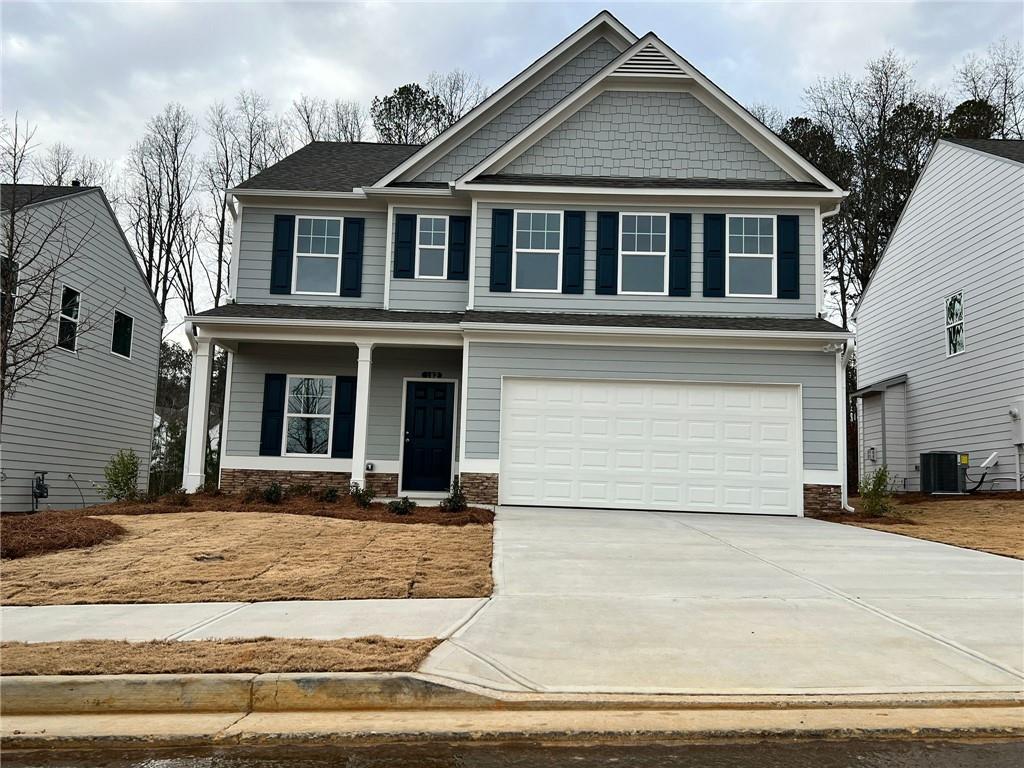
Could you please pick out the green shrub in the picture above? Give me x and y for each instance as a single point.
(876, 493)
(402, 506)
(363, 497)
(328, 494)
(122, 476)
(456, 499)
(273, 493)
(252, 494)
(299, 489)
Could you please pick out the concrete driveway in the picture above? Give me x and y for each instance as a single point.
(600, 601)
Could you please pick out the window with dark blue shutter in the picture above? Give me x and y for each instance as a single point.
(572, 251)
(344, 417)
(272, 424)
(607, 253)
(714, 254)
(405, 244)
(501, 250)
(789, 257)
(679, 254)
(281, 255)
(458, 247)
(352, 258)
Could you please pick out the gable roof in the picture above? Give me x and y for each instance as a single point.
(1010, 149)
(635, 182)
(31, 194)
(331, 166)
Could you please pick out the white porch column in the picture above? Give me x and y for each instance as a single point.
(362, 414)
(198, 416)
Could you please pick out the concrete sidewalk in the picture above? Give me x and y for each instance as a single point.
(313, 619)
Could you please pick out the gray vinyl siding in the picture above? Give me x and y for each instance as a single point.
(646, 134)
(815, 371)
(521, 113)
(961, 230)
(427, 294)
(869, 434)
(389, 366)
(695, 303)
(86, 405)
(889, 443)
(256, 250)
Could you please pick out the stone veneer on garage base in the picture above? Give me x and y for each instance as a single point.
(240, 480)
(384, 484)
(822, 500)
(480, 488)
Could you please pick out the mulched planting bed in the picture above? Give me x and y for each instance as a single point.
(26, 535)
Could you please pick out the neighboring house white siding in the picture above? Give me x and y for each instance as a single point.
(86, 405)
(962, 230)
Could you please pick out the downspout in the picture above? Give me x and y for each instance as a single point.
(842, 360)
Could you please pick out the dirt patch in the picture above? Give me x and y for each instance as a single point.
(992, 522)
(26, 535)
(118, 657)
(251, 556)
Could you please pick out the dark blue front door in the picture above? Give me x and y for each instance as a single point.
(429, 417)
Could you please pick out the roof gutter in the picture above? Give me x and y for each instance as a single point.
(313, 323)
(653, 191)
(355, 194)
(479, 327)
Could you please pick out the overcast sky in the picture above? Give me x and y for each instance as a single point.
(90, 74)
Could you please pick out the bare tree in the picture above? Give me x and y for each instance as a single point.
(458, 90)
(998, 79)
(219, 174)
(263, 138)
(59, 165)
(315, 119)
(772, 117)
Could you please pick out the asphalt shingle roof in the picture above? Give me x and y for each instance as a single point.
(296, 312)
(30, 194)
(625, 182)
(331, 166)
(1011, 149)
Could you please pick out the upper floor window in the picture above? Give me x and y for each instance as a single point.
(432, 246)
(307, 424)
(67, 321)
(537, 255)
(955, 324)
(317, 255)
(750, 256)
(121, 334)
(643, 253)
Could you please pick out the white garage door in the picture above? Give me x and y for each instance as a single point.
(651, 445)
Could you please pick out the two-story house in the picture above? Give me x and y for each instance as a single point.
(602, 288)
(940, 328)
(81, 300)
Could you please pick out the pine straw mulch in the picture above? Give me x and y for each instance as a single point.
(27, 535)
(116, 657)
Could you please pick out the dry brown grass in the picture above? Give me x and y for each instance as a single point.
(991, 522)
(117, 657)
(27, 535)
(250, 556)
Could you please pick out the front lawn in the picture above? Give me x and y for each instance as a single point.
(220, 548)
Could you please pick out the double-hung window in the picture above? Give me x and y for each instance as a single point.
(121, 335)
(955, 324)
(308, 410)
(317, 255)
(67, 321)
(432, 246)
(750, 256)
(643, 253)
(537, 255)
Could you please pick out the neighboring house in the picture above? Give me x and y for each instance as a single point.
(96, 390)
(940, 326)
(600, 288)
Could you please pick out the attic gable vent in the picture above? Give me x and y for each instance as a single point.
(649, 60)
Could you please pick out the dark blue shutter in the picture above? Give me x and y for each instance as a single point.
(272, 425)
(501, 250)
(714, 254)
(789, 257)
(607, 253)
(679, 254)
(281, 256)
(344, 417)
(458, 247)
(352, 258)
(405, 245)
(572, 251)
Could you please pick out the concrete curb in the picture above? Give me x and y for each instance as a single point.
(397, 691)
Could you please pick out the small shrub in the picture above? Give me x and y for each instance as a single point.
(122, 476)
(456, 499)
(211, 488)
(363, 497)
(252, 494)
(299, 489)
(402, 506)
(328, 494)
(178, 498)
(876, 493)
(273, 493)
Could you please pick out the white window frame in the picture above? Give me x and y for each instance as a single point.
(329, 415)
(774, 256)
(444, 273)
(560, 251)
(113, 326)
(618, 287)
(296, 254)
(62, 316)
(947, 325)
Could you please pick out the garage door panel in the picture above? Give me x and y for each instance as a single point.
(645, 445)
